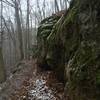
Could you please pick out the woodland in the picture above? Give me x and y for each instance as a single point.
(49, 50)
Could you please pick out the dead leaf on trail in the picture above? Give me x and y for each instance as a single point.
(34, 84)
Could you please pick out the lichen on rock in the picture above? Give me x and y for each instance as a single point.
(72, 49)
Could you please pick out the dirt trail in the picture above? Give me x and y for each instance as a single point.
(31, 83)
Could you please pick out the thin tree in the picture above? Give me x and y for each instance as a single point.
(27, 30)
(56, 6)
(19, 29)
(44, 9)
(2, 69)
(39, 10)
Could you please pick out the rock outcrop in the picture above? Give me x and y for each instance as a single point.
(70, 45)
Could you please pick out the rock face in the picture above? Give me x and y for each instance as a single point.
(44, 31)
(71, 46)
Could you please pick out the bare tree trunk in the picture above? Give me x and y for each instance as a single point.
(39, 10)
(27, 32)
(61, 5)
(2, 69)
(19, 29)
(56, 6)
(44, 9)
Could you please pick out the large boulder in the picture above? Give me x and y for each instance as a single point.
(44, 31)
(73, 49)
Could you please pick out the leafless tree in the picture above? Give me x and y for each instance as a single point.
(19, 29)
(56, 6)
(27, 30)
(2, 69)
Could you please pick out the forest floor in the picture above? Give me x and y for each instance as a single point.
(32, 83)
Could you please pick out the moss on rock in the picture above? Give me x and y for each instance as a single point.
(73, 49)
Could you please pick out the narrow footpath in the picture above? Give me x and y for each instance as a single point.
(32, 83)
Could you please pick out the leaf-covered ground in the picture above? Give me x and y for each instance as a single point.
(32, 83)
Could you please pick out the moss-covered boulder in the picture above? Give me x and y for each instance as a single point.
(83, 64)
(73, 49)
(44, 30)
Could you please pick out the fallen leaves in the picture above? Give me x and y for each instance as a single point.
(31, 84)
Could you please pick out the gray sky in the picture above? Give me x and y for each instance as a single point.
(9, 11)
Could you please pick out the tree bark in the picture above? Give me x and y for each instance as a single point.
(19, 30)
(56, 6)
(2, 69)
(27, 31)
